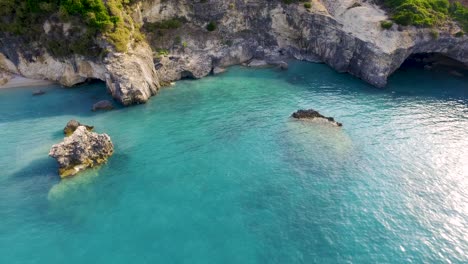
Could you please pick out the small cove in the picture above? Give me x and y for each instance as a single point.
(215, 170)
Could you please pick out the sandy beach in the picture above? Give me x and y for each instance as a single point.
(18, 81)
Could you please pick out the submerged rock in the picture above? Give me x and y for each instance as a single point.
(456, 73)
(83, 149)
(312, 114)
(103, 105)
(38, 92)
(72, 125)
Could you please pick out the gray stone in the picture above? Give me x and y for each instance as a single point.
(81, 150)
(103, 105)
(218, 70)
(257, 63)
(72, 125)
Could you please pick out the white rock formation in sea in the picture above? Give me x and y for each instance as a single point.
(81, 150)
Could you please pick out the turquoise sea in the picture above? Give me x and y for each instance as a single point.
(216, 171)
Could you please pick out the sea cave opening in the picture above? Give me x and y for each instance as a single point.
(88, 81)
(187, 75)
(437, 62)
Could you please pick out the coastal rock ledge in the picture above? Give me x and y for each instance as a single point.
(312, 114)
(81, 150)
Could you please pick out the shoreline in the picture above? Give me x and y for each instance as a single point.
(22, 82)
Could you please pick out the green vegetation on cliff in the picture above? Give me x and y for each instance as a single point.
(97, 17)
(427, 13)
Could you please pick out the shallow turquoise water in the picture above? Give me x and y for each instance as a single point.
(215, 171)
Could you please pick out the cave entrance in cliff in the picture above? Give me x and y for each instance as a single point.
(88, 81)
(187, 75)
(435, 62)
(91, 81)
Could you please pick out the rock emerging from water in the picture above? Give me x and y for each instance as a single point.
(218, 70)
(81, 150)
(103, 105)
(38, 92)
(72, 125)
(312, 114)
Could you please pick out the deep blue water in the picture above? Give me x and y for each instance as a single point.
(215, 171)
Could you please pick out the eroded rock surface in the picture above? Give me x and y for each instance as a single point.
(345, 34)
(81, 150)
(72, 125)
(130, 77)
(103, 105)
(312, 114)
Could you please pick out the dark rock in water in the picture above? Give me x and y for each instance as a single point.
(103, 105)
(38, 92)
(82, 149)
(283, 65)
(311, 114)
(427, 67)
(72, 125)
(456, 73)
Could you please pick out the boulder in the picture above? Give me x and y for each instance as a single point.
(103, 105)
(257, 63)
(218, 70)
(312, 114)
(4, 78)
(81, 150)
(283, 65)
(72, 125)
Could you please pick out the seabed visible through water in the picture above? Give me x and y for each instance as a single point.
(215, 170)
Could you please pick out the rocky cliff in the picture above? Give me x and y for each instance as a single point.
(186, 38)
(130, 77)
(347, 35)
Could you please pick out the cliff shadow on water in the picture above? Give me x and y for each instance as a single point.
(59, 101)
(430, 75)
(435, 62)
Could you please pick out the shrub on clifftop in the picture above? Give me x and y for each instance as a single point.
(211, 26)
(107, 18)
(427, 12)
(386, 24)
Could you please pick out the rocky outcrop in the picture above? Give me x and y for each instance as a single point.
(72, 125)
(83, 149)
(130, 77)
(312, 114)
(103, 105)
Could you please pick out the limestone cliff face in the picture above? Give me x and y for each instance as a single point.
(345, 34)
(130, 77)
(341, 33)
